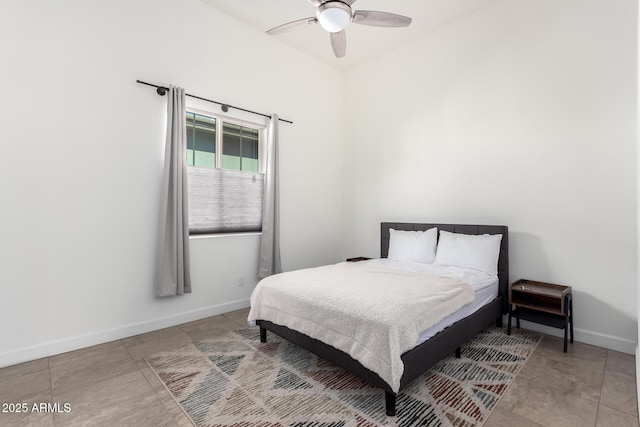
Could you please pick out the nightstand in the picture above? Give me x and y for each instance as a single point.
(545, 303)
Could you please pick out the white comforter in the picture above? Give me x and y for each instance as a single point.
(372, 313)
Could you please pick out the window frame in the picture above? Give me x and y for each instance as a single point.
(220, 120)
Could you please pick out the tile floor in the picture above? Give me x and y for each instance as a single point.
(111, 385)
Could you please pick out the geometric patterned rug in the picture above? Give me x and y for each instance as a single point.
(237, 381)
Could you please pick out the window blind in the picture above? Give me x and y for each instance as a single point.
(224, 201)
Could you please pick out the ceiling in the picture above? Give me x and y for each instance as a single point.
(363, 42)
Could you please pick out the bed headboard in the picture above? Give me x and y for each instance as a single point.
(503, 260)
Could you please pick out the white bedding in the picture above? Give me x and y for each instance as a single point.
(485, 287)
(477, 279)
(373, 311)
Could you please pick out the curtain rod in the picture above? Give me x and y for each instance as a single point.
(161, 90)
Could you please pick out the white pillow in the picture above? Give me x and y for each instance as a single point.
(416, 246)
(466, 250)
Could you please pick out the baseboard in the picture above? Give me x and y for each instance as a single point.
(74, 343)
(611, 342)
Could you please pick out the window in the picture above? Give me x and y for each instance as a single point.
(201, 140)
(240, 147)
(225, 191)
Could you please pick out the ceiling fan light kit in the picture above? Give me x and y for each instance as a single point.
(334, 15)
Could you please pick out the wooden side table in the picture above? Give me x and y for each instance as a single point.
(544, 303)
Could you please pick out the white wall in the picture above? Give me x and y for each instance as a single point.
(82, 146)
(521, 114)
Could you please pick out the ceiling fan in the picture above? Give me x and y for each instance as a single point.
(334, 15)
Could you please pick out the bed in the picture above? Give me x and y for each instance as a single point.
(420, 358)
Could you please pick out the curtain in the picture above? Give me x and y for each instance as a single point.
(270, 242)
(172, 273)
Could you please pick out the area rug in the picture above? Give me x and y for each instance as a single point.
(236, 381)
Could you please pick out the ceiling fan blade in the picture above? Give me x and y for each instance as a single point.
(349, 2)
(380, 19)
(339, 43)
(292, 26)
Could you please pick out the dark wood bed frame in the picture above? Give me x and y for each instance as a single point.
(419, 359)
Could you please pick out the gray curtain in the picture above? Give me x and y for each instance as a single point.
(172, 273)
(270, 241)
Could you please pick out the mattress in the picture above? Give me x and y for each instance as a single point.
(485, 287)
